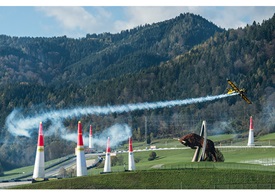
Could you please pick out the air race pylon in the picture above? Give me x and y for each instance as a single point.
(131, 161)
(91, 137)
(81, 168)
(107, 165)
(39, 167)
(251, 134)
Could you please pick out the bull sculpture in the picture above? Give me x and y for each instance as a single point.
(193, 141)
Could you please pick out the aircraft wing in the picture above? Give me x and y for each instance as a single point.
(233, 86)
(246, 99)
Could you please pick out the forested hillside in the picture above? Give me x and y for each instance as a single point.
(97, 57)
(185, 57)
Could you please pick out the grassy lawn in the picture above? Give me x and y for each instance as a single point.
(188, 178)
(270, 136)
(268, 139)
(222, 137)
(172, 162)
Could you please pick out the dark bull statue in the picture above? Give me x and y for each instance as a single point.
(193, 141)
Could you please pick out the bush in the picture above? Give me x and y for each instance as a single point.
(152, 156)
(117, 160)
(219, 155)
(137, 159)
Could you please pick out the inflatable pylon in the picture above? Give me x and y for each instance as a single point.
(39, 165)
(81, 168)
(107, 165)
(91, 137)
(251, 133)
(131, 161)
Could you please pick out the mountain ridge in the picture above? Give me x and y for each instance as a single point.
(56, 59)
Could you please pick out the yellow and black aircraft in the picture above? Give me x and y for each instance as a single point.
(235, 89)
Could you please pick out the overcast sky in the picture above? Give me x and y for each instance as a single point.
(73, 20)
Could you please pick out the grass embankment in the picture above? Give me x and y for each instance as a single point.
(173, 169)
(166, 179)
(243, 169)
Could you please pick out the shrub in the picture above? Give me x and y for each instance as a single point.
(219, 155)
(152, 156)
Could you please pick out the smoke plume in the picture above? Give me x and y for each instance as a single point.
(18, 124)
(117, 133)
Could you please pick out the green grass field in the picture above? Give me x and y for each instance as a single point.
(270, 136)
(187, 178)
(244, 168)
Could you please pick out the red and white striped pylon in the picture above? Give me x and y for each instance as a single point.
(251, 133)
(107, 165)
(91, 137)
(39, 165)
(81, 168)
(131, 161)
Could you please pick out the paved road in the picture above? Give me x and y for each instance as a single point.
(54, 170)
(51, 172)
(9, 184)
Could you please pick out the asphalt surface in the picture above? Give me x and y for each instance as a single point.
(49, 173)
(9, 184)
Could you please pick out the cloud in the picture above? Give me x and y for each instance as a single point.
(224, 17)
(135, 16)
(79, 21)
(70, 17)
(237, 16)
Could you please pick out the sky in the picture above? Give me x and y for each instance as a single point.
(75, 19)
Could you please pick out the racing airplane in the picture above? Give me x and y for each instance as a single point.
(235, 89)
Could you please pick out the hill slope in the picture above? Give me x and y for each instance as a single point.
(166, 179)
(98, 57)
(51, 73)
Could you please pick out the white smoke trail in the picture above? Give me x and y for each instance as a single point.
(17, 124)
(117, 133)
